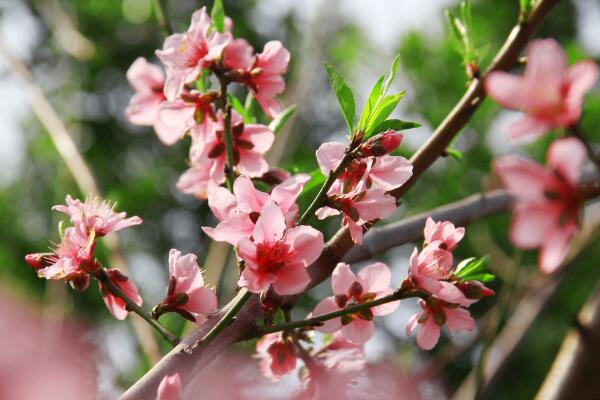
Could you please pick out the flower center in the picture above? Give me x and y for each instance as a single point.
(271, 256)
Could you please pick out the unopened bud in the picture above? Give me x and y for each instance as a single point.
(39, 260)
(475, 290)
(381, 144)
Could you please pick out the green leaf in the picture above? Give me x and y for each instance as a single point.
(393, 72)
(395, 124)
(483, 277)
(218, 16)
(239, 107)
(372, 100)
(344, 96)
(455, 154)
(471, 267)
(383, 110)
(282, 118)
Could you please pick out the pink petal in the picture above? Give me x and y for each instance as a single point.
(291, 279)
(567, 156)
(506, 89)
(237, 55)
(524, 179)
(252, 164)
(413, 323)
(231, 230)
(375, 205)
(581, 77)
(356, 231)
(358, 331)
(546, 62)
(531, 224)
(326, 306)
(325, 212)
(249, 199)
(175, 118)
(246, 250)
(183, 266)
(429, 334)
(260, 136)
(144, 76)
(329, 156)
(170, 388)
(342, 278)
(527, 129)
(270, 225)
(202, 302)
(286, 193)
(458, 319)
(271, 106)
(306, 243)
(386, 308)
(390, 172)
(555, 249)
(255, 281)
(221, 202)
(274, 58)
(143, 108)
(375, 278)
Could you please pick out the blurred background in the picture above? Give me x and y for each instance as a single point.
(69, 58)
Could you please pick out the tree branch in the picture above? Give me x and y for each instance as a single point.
(339, 245)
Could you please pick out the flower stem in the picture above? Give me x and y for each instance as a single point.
(225, 106)
(102, 277)
(319, 199)
(576, 132)
(399, 294)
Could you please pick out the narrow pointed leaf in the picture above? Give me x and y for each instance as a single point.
(344, 95)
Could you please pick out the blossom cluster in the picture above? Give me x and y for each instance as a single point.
(548, 198)
(181, 100)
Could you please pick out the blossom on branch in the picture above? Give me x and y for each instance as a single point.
(277, 256)
(549, 93)
(547, 200)
(115, 304)
(372, 282)
(187, 295)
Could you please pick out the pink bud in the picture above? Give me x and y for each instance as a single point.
(381, 144)
(475, 290)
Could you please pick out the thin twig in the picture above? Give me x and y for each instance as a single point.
(131, 306)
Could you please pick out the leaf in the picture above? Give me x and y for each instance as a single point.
(310, 189)
(395, 124)
(455, 154)
(383, 110)
(393, 72)
(218, 16)
(471, 267)
(370, 104)
(239, 107)
(344, 96)
(483, 277)
(282, 118)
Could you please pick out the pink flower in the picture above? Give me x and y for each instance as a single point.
(549, 93)
(147, 80)
(169, 388)
(431, 271)
(70, 257)
(208, 155)
(267, 80)
(97, 216)
(277, 356)
(176, 118)
(278, 256)
(358, 207)
(239, 211)
(116, 305)
(187, 294)
(371, 283)
(432, 317)
(547, 200)
(445, 232)
(186, 54)
(385, 172)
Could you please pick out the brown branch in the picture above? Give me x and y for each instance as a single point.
(409, 230)
(341, 243)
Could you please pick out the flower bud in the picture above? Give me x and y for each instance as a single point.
(475, 290)
(381, 144)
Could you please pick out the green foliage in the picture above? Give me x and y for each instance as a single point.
(474, 269)
(461, 27)
(344, 96)
(395, 124)
(218, 16)
(371, 103)
(278, 123)
(383, 110)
